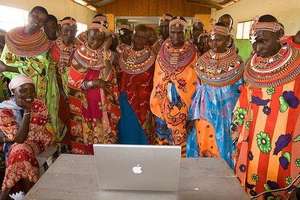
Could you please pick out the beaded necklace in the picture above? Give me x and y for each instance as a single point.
(136, 62)
(174, 60)
(26, 45)
(66, 53)
(273, 71)
(89, 58)
(219, 69)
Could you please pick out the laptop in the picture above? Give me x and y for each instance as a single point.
(138, 167)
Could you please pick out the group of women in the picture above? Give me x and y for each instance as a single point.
(136, 88)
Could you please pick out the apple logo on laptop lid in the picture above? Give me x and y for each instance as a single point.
(138, 169)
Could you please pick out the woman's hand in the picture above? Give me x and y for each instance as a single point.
(87, 85)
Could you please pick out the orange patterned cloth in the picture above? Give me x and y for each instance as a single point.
(267, 120)
(21, 162)
(176, 67)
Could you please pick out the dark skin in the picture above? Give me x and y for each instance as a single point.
(140, 40)
(126, 38)
(164, 29)
(68, 34)
(176, 35)
(267, 43)
(219, 43)
(95, 40)
(203, 45)
(51, 29)
(227, 21)
(197, 30)
(24, 96)
(296, 38)
(36, 21)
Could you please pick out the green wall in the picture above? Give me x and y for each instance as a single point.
(244, 47)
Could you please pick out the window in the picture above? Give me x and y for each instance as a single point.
(81, 27)
(243, 30)
(12, 17)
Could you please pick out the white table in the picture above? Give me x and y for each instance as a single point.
(73, 177)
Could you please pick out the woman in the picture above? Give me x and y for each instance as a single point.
(93, 93)
(137, 68)
(62, 54)
(174, 84)
(26, 52)
(99, 18)
(23, 122)
(220, 74)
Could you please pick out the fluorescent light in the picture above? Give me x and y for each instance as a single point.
(81, 2)
(92, 8)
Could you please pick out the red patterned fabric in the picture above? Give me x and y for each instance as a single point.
(21, 162)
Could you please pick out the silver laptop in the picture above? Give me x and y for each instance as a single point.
(138, 167)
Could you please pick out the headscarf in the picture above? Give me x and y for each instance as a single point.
(177, 21)
(101, 20)
(69, 21)
(99, 26)
(267, 26)
(165, 17)
(19, 80)
(220, 30)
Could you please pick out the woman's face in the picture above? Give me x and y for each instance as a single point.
(36, 20)
(219, 43)
(95, 38)
(176, 35)
(24, 94)
(140, 40)
(68, 33)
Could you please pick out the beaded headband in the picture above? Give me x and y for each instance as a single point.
(70, 22)
(266, 26)
(125, 26)
(100, 19)
(221, 30)
(100, 27)
(177, 22)
(165, 18)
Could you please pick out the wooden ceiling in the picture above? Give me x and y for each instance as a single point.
(147, 7)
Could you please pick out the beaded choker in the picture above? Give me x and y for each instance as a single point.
(219, 69)
(172, 59)
(136, 62)
(25, 45)
(66, 53)
(89, 58)
(275, 70)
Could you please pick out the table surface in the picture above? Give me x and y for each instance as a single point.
(73, 177)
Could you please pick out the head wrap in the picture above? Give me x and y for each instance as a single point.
(266, 26)
(197, 20)
(70, 22)
(221, 30)
(97, 26)
(125, 26)
(165, 17)
(101, 20)
(177, 22)
(19, 80)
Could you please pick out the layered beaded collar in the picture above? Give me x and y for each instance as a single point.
(172, 59)
(219, 69)
(136, 62)
(89, 58)
(273, 71)
(26, 45)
